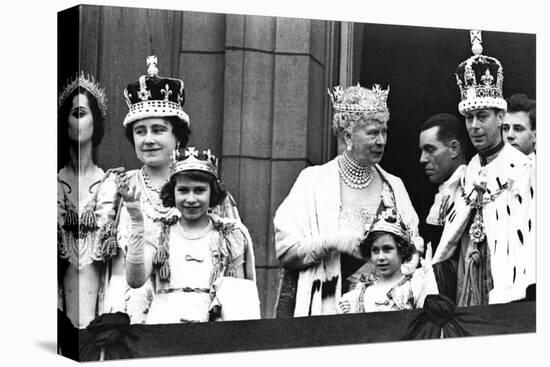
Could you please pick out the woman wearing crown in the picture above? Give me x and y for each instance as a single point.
(320, 224)
(195, 250)
(84, 200)
(156, 126)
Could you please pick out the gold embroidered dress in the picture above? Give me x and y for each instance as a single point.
(119, 296)
(407, 293)
(78, 244)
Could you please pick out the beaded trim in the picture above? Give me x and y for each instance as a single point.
(353, 173)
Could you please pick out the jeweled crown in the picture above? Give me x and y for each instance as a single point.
(155, 96)
(480, 79)
(390, 221)
(359, 99)
(87, 82)
(193, 161)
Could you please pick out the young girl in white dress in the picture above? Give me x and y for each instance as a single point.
(388, 245)
(195, 250)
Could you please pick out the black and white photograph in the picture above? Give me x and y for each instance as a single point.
(291, 186)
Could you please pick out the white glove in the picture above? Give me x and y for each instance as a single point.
(410, 266)
(427, 260)
(418, 242)
(134, 210)
(316, 248)
(346, 242)
(135, 254)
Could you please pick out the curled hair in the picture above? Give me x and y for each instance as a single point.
(343, 122)
(522, 103)
(179, 128)
(218, 192)
(404, 248)
(63, 113)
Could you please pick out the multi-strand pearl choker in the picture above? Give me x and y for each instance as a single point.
(354, 174)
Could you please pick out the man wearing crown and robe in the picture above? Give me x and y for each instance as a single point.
(491, 226)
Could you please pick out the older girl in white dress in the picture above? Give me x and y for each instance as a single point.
(195, 250)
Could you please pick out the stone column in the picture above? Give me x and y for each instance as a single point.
(274, 122)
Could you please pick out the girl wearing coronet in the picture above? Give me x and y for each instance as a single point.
(388, 245)
(196, 251)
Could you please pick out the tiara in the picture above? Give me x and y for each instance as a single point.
(193, 161)
(390, 221)
(359, 99)
(87, 82)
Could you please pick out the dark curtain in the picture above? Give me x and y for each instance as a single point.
(419, 64)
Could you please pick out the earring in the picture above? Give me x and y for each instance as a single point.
(174, 157)
(176, 153)
(349, 146)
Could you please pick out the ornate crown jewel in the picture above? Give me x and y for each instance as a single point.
(480, 79)
(390, 221)
(193, 161)
(155, 96)
(87, 82)
(359, 99)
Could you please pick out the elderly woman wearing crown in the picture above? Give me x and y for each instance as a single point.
(156, 126)
(322, 221)
(197, 253)
(84, 200)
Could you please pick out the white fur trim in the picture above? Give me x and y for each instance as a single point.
(472, 104)
(154, 108)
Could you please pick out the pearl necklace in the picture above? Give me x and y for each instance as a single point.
(148, 183)
(196, 235)
(151, 199)
(353, 173)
